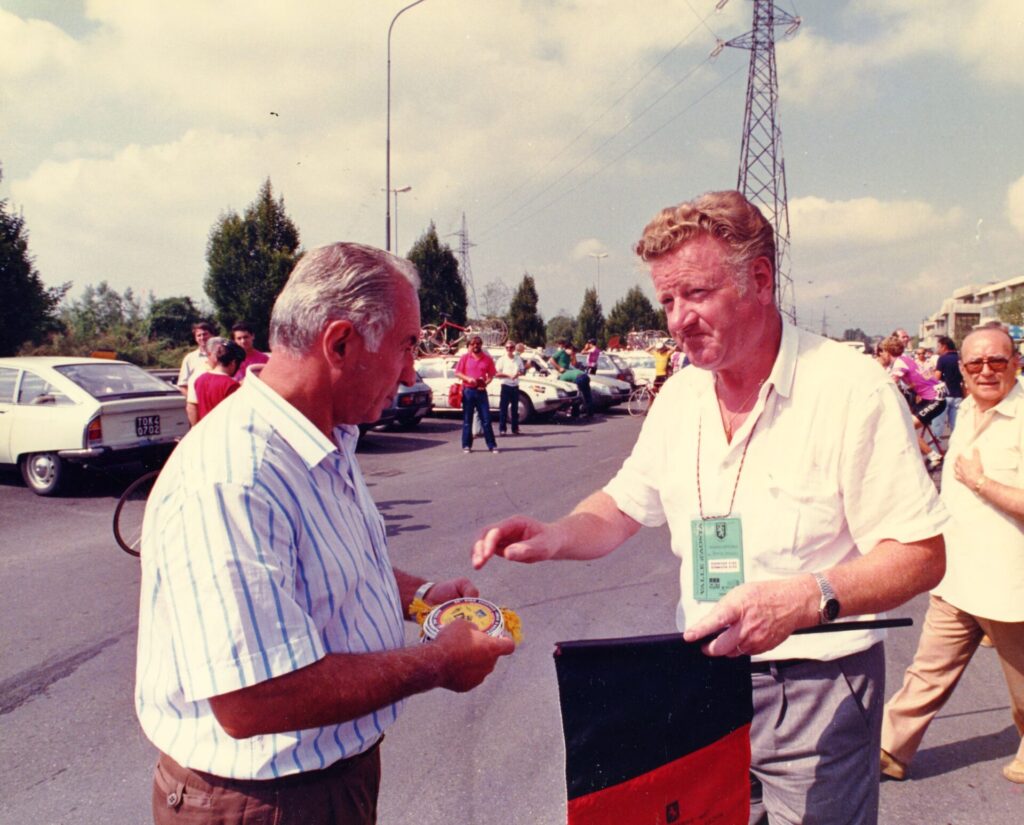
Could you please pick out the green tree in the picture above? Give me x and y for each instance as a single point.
(856, 335)
(590, 321)
(171, 319)
(28, 310)
(634, 312)
(442, 292)
(561, 327)
(1011, 311)
(249, 259)
(525, 323)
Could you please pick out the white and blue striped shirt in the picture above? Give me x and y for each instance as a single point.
(262, 551)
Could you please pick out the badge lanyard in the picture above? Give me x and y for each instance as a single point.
(717, 541)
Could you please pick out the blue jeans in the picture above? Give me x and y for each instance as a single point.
(509, 403)
(473, 399)
(952, 408)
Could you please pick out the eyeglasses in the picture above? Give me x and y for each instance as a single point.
(997, 363)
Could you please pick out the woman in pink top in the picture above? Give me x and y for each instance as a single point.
(922, 393)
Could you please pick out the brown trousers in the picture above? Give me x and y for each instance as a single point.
(344, 793)
(949, 639)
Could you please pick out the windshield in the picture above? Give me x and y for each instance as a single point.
(115, 380)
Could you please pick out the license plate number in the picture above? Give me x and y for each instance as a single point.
(146, 425)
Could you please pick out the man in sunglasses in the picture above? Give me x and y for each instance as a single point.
(983, 589)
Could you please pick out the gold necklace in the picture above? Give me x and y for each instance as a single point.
(739, 412)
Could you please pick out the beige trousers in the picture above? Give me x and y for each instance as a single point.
(948, 641)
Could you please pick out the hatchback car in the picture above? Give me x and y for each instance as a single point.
(57, 413)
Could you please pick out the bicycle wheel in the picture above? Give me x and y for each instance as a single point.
(493, 331)
(129, 511)
(428, 340)
(639, 401)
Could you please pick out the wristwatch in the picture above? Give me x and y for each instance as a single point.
(828, 607)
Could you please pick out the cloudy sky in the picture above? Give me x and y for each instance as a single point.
(557, 127)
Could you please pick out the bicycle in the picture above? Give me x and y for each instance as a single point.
(640, 399)
(128, 513)
(446, 337)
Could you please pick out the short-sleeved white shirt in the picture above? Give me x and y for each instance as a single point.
(262, 552)
(831, 469)
(985, 546)
(189, 364)
(510, 365)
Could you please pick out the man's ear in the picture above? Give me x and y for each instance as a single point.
(337, 337)
(762, 279)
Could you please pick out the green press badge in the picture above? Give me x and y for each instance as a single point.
(717, 557)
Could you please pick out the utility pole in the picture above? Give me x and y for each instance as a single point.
(598, 256)
(464, 267)
(762, 175)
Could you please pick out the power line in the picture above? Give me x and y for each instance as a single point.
(627, 151)
(592, 123)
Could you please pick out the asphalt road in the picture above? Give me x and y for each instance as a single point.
(72, 751)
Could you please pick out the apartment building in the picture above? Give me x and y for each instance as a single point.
(969, 306)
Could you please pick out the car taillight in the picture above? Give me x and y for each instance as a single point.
(94, 432)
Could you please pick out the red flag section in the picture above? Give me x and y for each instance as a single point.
(655, 731)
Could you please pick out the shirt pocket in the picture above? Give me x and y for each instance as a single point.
(1003, 465)
(803, 517)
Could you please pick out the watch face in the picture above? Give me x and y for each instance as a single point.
(830, 610)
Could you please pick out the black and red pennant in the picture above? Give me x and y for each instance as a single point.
(655, 732)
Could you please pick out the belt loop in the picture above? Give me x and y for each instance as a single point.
(176, 796)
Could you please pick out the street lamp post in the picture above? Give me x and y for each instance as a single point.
(387, 146)
(599, 256)
(396, 193)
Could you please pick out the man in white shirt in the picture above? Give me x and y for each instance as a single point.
(793, 496)
(195, 360)
(983, 589)
(508, 369)
(271, 647)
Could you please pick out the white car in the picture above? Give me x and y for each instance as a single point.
(641, 362)
(537, 396)
(605, 390)
(56, 412)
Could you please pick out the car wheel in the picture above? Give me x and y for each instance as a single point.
(525, 408)
(43, 473)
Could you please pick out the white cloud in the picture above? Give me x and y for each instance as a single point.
(1015, 205)
(866, 221)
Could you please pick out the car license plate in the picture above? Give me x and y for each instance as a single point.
(146, 425)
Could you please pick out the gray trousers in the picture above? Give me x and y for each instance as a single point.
(815, 741)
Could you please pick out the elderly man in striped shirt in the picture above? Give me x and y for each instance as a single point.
(271, 654)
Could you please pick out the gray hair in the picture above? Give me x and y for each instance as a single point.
(215, 344)
(340, 281)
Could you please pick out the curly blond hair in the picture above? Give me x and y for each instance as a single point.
(727, 215)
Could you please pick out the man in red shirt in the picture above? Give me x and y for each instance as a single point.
(243, 335)
(214, 386)
(476, 370)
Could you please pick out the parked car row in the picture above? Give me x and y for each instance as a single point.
(58, 414)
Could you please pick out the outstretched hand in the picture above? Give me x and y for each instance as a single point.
(519, 538)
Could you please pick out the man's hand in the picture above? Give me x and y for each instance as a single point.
(468, 655)
(968, 469)
(452, 589)
(519, 538)
(758, 616)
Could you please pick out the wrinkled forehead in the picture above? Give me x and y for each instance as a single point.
(986, 343)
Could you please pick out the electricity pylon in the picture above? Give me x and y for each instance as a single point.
(762, 176)
(467, 272)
